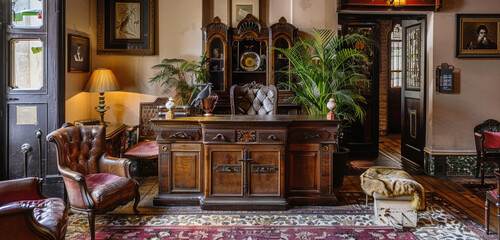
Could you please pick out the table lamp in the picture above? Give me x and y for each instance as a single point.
(102, 80)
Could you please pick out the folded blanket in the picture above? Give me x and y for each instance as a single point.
(392, 182)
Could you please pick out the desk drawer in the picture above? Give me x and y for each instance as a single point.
(219, 135)
(275, 136)
(181, 134)
(311, 135)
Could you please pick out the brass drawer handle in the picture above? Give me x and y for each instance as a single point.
(272, 137)
(181, 135)
(219, 137)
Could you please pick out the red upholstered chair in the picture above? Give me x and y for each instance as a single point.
(95, 182)
(254, 99)
(145, 152)
(487, 139)
(492, 196)
(25, 213)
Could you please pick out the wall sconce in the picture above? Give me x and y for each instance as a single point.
(398, 3)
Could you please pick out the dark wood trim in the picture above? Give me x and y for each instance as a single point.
(384, 5)
(263, 12)
(3, 77)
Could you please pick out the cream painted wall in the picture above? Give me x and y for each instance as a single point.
(452, 117)
(78, 23)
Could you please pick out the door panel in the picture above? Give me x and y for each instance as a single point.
(413, 91)
(304, 169)
(186, 171)
(264, 172)
(22, 119)
(226, 171)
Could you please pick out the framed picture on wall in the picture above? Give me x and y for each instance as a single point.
(78, 53)
(126, 27)
(241, 8)
(478, 35)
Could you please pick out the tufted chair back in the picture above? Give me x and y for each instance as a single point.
(83, 147)
(254, 99)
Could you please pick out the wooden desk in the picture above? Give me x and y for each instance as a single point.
(246, 162)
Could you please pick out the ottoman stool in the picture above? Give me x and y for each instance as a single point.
(396, 195)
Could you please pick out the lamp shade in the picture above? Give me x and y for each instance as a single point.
(102, 80)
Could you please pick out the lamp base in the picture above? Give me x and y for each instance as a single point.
(102, 108)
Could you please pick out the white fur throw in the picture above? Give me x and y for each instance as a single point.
(393, 182)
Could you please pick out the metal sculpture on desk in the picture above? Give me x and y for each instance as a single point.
(202, 95)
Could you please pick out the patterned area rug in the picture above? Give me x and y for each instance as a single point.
(440, 221)
(251, 232)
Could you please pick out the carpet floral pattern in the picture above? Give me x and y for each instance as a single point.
(440, 221)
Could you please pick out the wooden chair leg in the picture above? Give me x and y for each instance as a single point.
(487, 215)
(478, 166)
(137, 200)
(91, 216)
(482, 173)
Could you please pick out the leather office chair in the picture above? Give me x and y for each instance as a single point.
(95, 182)
(254, 99)
(486, 148)
(25, 213)
(494, 197)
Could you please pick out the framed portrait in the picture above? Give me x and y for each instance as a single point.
(478, 35)
(78, 53)
(240, 9)
(126, 27)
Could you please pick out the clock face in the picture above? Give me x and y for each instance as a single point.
(359, 45)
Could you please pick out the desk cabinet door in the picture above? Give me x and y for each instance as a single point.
(224, 171)
(181, 168)
(265, 173)
(304, 169)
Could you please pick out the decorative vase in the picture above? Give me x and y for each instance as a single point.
(208, 104)
(331, 105)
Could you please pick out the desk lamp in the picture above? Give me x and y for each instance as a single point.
(102, 80)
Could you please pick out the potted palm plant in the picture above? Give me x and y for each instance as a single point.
(173, 74)
(329, 66)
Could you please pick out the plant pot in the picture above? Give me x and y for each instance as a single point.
(339, 165)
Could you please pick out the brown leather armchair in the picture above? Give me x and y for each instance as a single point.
(95, 182)
(25, 213)
(254, 99)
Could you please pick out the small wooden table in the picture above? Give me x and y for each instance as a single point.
(246, 162)
(114, 133)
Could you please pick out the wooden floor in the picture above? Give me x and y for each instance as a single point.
(446, 187)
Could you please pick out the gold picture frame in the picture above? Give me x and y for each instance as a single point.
(126, 27)
(478, 35)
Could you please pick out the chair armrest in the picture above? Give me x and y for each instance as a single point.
(479, 140)
(117, 166)
(20, 189)
(12, 208)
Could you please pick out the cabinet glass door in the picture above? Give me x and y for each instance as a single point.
(27, 64)
(281, 65)
(217, 64)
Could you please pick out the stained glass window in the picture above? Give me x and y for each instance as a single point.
(413, 57)
(396, 56)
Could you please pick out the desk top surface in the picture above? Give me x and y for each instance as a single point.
(244, 119)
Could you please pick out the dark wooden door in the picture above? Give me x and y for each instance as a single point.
(33, 86)
(303, 164)
(413, 91)
(224, 173)
(362, 136)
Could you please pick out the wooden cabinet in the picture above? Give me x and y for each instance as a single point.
(242, 55)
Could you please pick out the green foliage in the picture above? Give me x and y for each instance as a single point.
(172, 74)
(327, 66)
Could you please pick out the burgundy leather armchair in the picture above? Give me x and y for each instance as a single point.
(95, 182)
(25, 213)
